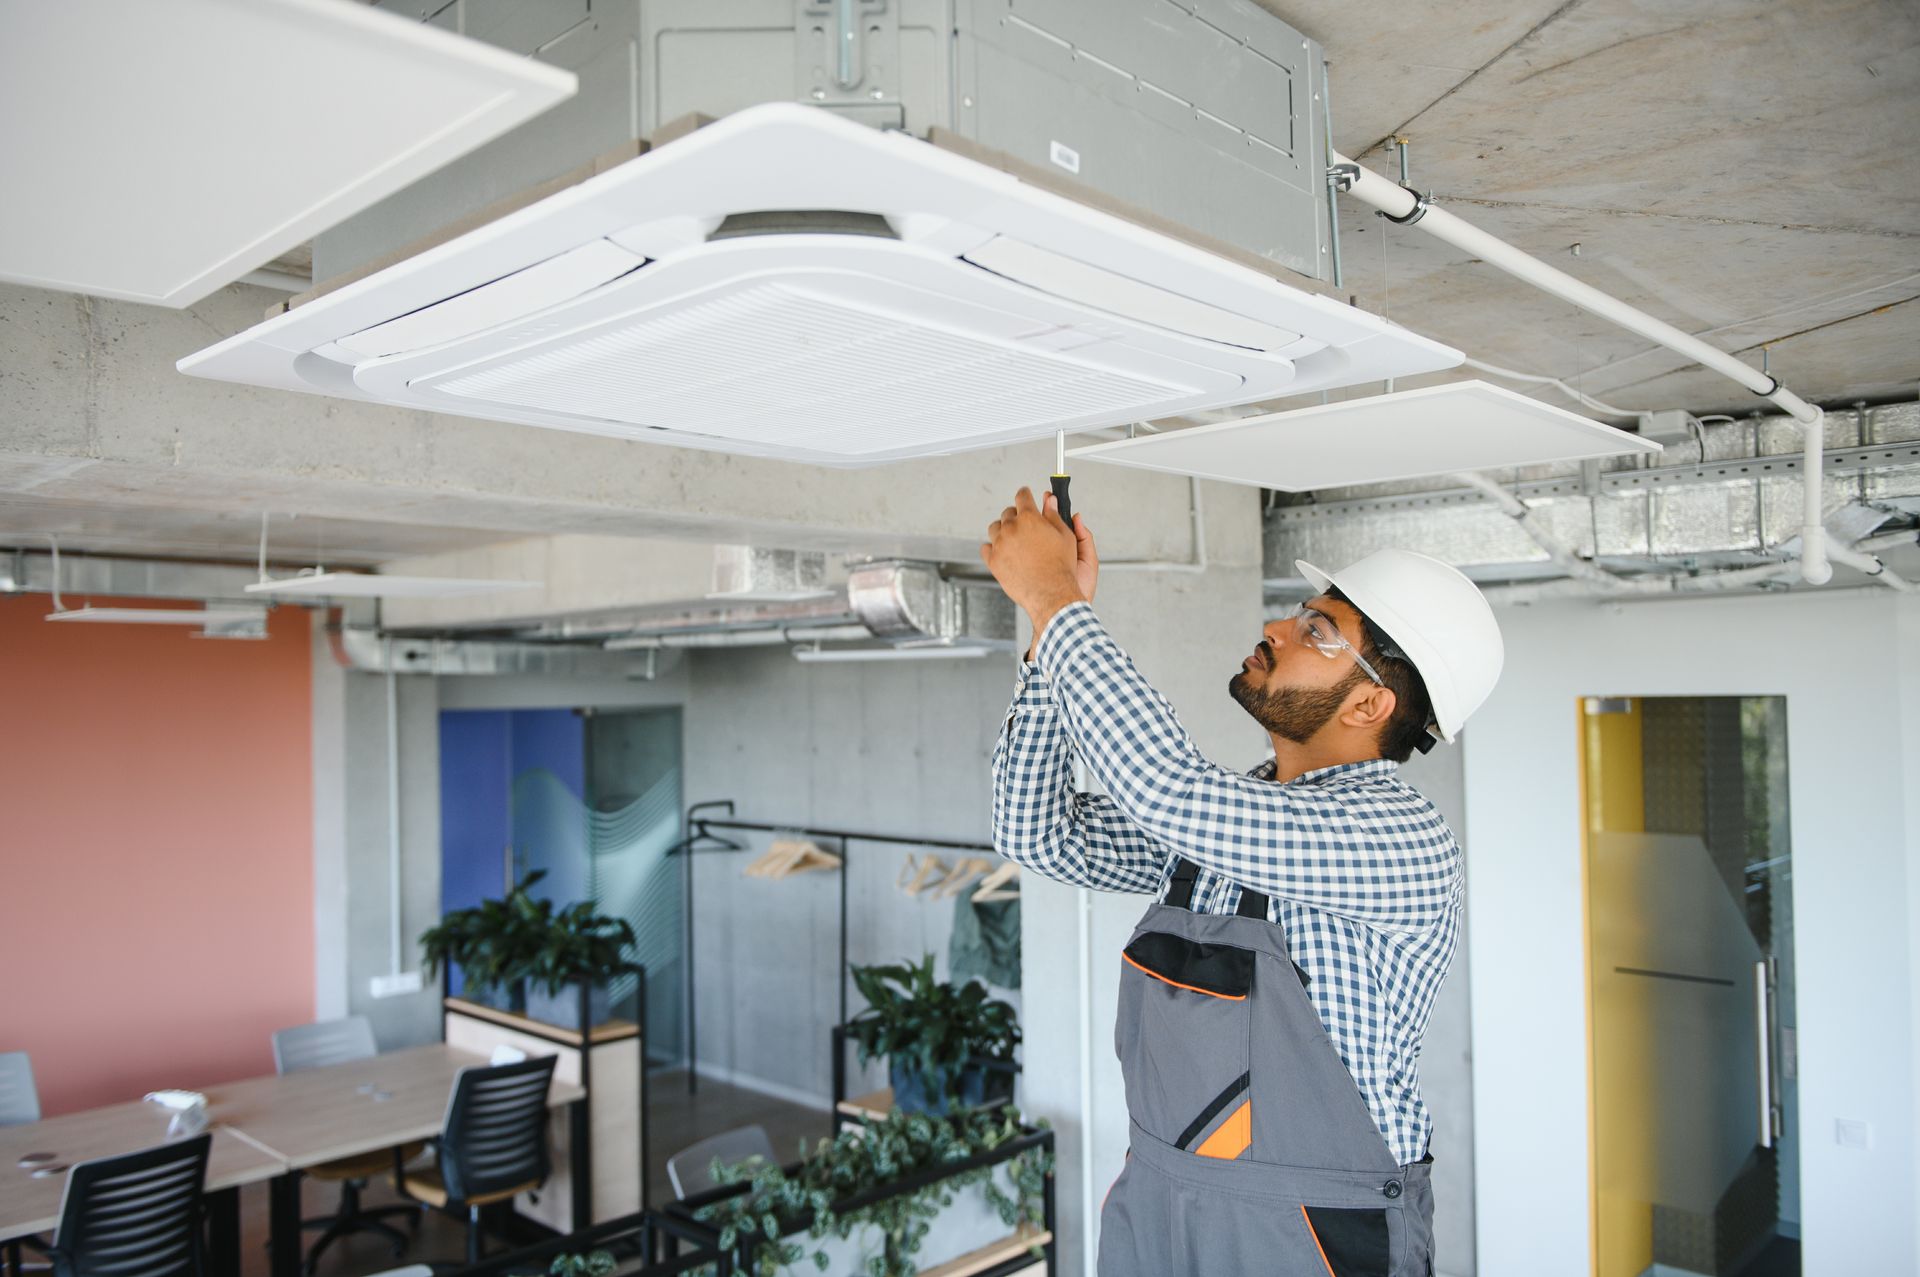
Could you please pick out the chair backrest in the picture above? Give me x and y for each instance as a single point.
(19, 1101)
(310, 1046)
(495, 1136)
(691, 1169)
(137, 1215)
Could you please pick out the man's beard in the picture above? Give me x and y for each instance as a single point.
(1294, 713)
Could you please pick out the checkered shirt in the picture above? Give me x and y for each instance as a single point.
(1361, 871)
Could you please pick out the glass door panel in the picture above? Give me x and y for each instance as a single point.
(1690, 960)
(633, 787)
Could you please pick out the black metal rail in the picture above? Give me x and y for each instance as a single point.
(700, 830)
(635, 1236)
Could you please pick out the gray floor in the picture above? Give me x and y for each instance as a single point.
(675, 1120)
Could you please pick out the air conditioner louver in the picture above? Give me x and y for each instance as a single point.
(697, 295)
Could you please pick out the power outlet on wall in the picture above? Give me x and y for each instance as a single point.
(1850, 1133)
(392, 986)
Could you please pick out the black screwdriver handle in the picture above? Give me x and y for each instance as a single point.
(1059, 484)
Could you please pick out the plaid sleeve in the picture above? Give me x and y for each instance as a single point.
(1374, 852)
(1039, 821)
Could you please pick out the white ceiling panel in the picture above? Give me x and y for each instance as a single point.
(367, 585)
(1466, 425)
(155, 152)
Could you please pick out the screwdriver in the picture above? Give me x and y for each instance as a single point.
(1059, 480)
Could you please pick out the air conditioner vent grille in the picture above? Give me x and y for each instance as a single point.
(803, 222)
(776, 362)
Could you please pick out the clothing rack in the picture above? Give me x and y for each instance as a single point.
(700, 830)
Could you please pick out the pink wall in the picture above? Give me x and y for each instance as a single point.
(156, 851)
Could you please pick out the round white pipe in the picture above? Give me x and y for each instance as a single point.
(1396, 201)
(1872, 566)
(393, 816)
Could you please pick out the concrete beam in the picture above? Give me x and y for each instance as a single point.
(96, 413)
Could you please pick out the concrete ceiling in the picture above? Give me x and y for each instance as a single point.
(99, 527)
(1740, 169)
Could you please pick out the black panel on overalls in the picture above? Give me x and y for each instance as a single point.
(1252, 1151)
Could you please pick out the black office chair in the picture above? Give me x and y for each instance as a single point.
(492, 1146)
(136, 1215)
(313, 1046)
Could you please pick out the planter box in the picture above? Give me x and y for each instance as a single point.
(501, 997)
(562, 1009)
(915, 1092)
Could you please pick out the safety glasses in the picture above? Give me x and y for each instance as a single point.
(1317, 631)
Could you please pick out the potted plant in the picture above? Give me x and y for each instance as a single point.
(491, 943)
(576, 945)
(946, 1046)
(597, 1263)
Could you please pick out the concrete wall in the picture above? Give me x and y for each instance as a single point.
(1446, 1062)
(897, 747)
(1847, 664)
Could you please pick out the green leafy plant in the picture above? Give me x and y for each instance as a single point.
(520, 937)
(495, 941)
(595, 1264)
(579, 944)
(778, 1202)
(937, 1029)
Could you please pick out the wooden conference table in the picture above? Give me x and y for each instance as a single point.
(264, 1128)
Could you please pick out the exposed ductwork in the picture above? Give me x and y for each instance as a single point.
(1727, 498)
(366, 650)
(902, 602)
(25, 571)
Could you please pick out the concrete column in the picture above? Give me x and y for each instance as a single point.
(352, 884)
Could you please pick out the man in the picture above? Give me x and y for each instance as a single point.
(1272, 1006)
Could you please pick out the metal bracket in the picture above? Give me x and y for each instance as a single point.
(1341, 177)
(1420, 205)
(849, 57)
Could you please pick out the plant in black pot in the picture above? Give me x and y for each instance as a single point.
(577, 946)
(492, 943)
(946, 1046)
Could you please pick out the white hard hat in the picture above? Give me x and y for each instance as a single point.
(1437, 617)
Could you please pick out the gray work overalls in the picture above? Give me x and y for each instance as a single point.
(1252, 1149)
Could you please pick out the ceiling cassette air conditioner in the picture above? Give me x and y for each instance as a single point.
(785, 283)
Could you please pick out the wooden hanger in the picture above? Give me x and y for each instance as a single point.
(994, 885)
(922, 877)
(789, 856)
(963, 873)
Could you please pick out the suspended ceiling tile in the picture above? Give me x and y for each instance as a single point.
(155, 152)
(1466, 425)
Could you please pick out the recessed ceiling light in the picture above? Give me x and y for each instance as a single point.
(853, 654)
(297, 112)
(206, 616)
(1411, 434)
(374, 585)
